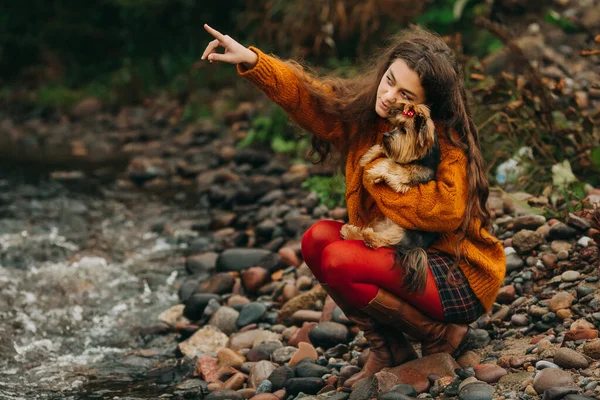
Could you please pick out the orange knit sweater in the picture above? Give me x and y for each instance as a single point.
(437, 206)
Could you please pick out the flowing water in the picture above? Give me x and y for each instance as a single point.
(82, 277)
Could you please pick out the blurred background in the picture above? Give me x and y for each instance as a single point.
(533, 77)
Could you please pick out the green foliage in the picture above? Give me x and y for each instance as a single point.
(331, 190)
(556, 19)
(58, 96)
(448, 16)
(595, 156)
(275, 130)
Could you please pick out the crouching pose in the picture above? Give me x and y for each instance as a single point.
(466, 264)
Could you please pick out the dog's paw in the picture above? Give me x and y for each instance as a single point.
(371, 239)
(350, 232)
(373, 176)
(371, 154)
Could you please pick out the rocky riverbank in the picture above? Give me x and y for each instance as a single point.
(144, 257)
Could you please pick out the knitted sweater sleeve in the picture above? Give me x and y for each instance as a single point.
(282, 85)
(436, 206)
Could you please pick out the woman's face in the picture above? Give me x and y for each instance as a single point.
(398, 84)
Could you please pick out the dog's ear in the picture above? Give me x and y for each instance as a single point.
(425, 130)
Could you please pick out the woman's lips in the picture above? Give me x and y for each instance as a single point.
(383, 105)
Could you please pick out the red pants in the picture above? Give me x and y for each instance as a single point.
(356, 272)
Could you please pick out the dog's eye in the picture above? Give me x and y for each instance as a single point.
(403, 131)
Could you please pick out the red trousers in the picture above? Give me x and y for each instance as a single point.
(356, 272)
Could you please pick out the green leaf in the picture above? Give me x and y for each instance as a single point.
(555, 18)
(595, 156)
(280, 145)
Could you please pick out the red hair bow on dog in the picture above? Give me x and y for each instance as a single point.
(409, 113)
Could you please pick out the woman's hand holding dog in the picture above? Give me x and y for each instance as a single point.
(235, 53)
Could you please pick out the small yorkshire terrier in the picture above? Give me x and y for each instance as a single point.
(413, 154)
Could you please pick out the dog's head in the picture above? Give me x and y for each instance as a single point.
(413, 135)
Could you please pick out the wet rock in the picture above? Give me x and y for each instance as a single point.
(283, 354)
(592, 349)
(476, 391)
(199, 263)
(238, 259)
(441, 364)
(469, 359)
(560, 245)
(293, 386)
(230, 358)
(578, 222)
(551, 377)
(289, 257)
(172, 315)
(208, 368)
(305, 350)
(301, 316)
(195, 305)
(582, 325)
(506, 294)
(248, 339)
(265, 396)
(225, 319)
(207, 340)
(578, 397)
(216, 284)
(280, 376)
(385, 381)
(251, 313)
(404, 389)
(530, 222)
(519, 320)
(224, 394)
(513, 262)
(328, 334)
(304, 301)
(307, 368)
(524, 241)
(561, 300)
(413, 377)
(570, 276)
(253, 278)
(543, 364)
(568, 358)
(557, 393)
(296, 224)
(260, 371)
(549, 260)
(301, 335)
(489, 373)
(562, 231)
(235, 382)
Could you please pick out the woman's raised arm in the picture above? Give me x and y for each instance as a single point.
(280, 83)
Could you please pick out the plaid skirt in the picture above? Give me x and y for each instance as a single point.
(459, 303)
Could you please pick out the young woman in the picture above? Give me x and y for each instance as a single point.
(348, 116)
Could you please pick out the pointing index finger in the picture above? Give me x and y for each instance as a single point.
(218, 35)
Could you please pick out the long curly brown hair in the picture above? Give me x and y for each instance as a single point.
(426, 53)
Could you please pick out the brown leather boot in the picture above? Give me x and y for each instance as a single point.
(435, 336)
(400, 348)
(387, 349)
